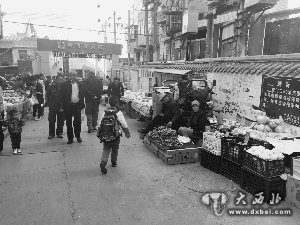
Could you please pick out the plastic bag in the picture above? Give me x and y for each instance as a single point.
(33, 100)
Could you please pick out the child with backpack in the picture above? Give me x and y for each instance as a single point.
(109, 132)
(14, 125)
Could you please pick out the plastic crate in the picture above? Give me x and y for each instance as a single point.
(231, 149)
(210, 161)
(255, 184)
(263, 167)
(231, 170)
(179, 156)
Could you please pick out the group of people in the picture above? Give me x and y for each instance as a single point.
(66, 98)
(173, 111)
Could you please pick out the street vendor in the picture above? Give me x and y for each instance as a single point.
(169, 115)
(197, 123)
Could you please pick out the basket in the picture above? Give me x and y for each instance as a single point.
(255, 184)
(263, 167)
(231, 149)
(231, 170)
(210, 161)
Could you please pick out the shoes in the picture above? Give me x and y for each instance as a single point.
(70, 142)
(79, 139)
(114, 164)
(50, 137)
(37, 118)
(19, 151)
(95, 129)
(60, 136)
(103, 169)
(15, 151)
(89, 131)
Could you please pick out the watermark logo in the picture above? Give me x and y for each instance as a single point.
(216, 201)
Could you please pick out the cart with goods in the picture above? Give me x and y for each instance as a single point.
(171, 148)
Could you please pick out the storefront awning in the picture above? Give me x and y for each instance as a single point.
(172, 71)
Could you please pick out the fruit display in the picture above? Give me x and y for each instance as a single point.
(166, 138)
(212, 142)
(11, 97)
(266, 154)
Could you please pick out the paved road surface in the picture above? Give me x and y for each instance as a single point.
(53, 183)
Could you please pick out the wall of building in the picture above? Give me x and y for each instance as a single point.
(6, 57)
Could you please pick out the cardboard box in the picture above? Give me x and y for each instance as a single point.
(293, 192)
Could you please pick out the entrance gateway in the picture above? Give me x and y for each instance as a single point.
(78, 49)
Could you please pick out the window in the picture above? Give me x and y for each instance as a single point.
(23, 54)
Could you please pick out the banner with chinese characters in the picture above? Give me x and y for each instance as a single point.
(280, 96)
(79, 47)
(146, 73)
(81, 55)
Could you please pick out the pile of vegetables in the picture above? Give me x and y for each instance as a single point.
(265, 124)
(165, 138)
(266, 154)
(12, 97)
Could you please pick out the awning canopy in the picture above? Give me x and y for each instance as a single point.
(172, 71)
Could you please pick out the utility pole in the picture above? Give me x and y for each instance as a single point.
(147, 32)
(128, 43)
(115, 32)
(155, 33)
(1, 27)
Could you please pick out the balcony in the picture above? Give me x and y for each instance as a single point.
(174, 24)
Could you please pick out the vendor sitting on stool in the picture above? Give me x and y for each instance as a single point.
(169, 114)
(197, 123)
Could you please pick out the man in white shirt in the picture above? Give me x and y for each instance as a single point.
(72, 97)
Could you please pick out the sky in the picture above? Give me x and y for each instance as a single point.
(68, 13)
(76, 14)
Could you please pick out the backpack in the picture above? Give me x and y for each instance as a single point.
(109, 127)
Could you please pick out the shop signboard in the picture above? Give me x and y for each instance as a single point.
(79, 47)
(81, 55)
(280, 96)
(146, 73)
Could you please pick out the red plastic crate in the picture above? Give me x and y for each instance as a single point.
(255, 184)
(231, 170)
(231, 150)
(210, 161)
(263, 167)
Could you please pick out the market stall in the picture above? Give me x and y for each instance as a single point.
(18, 101)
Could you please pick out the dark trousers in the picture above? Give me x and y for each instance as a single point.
(15, 140)
(76, 113)
(37, 109)
(55, 117)
(161, 121)
(91, 111)
(1, 138)
(110, 147)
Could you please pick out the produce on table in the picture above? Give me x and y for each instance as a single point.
(12, 97)
(266, 154)
(165, 137)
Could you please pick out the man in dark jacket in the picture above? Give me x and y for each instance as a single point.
(170, 114)
(93, 91)
(72, 97)
(55, 108)
(115, 88)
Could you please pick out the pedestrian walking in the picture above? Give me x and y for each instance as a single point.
(14, 125)
(41, 80)
(56, 114)
(115, 89)
(1, 130)
(109, 133)
(72, 97)
(36, 91)
(93, 91)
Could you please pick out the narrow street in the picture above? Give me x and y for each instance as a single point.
(53, 183)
